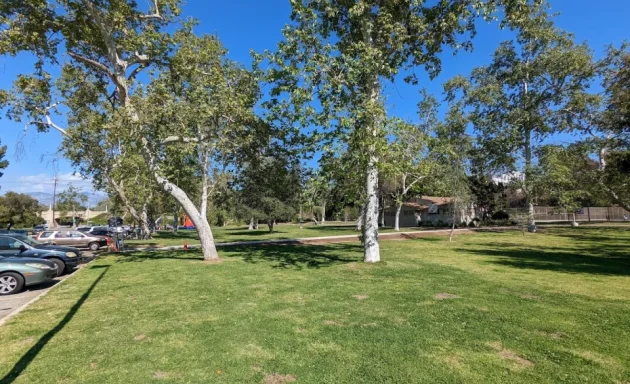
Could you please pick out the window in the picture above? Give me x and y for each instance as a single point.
(60, 235)
(5, 243)
(45, 235)
(76, 235)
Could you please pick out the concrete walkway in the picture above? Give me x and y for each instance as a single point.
(329, 239)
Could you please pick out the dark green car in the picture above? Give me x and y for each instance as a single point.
(17, 273)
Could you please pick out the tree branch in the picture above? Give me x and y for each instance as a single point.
(156, 12)
(179, 139)
(94, 64)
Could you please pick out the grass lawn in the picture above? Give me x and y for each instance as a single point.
(241, 233)
(487, 308)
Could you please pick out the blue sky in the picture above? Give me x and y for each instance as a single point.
(243, 25)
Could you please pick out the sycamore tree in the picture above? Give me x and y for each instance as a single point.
(406, 162)
(164, 85)
(449, 151)
(336, 57)
(561, 177)
(530, 91)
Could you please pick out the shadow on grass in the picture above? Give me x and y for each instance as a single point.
(289, 256)
(180, 234)
(568, 261)
(298, 256)
(32, 353)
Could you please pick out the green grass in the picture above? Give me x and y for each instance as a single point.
(240, 233)
(545, 308)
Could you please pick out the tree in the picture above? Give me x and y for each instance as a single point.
(19, 210)
(194, 98)
(3, 163)
(560, 177)
(270, 187)
(450, 152)
(407, 161)
(336, 56)
(531, 90)
(71, 200)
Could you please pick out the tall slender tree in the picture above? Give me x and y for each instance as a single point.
(525, 94)
(336, 56)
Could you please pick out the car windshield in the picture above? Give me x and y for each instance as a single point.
(28, 240)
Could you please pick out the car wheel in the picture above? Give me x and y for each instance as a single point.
(94, 246)
(61, 266)
(10, 283)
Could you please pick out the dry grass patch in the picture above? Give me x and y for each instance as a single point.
(506, 354)
(445, 296)
(276, 378)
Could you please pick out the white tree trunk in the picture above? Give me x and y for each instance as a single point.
(397, 218)
(371, 250)
(250, 227)
(323, 213)
(144, 223)
(360, 219)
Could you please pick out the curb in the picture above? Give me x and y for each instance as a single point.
(36, 298)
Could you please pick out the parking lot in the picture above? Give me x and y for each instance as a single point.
(11, 303)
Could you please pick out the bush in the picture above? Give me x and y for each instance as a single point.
(441, 224)
(463, 224)
(474, 223)
(500, 215)
(428, 224)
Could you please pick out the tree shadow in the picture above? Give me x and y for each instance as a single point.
(558, 260)
(297, 256)
(32, 353)
(282, 255)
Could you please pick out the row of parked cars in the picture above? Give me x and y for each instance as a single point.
(26, 261)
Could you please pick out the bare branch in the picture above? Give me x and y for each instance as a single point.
(155, 14)
(94, 64)
(179, 139)
(136, 71)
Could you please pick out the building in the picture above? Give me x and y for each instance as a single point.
(425, 209)
(508, 178)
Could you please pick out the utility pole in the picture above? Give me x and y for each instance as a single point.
(53, 203)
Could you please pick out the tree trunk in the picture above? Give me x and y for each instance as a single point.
(300, 218)
(256, 224)
(270, 223)
(200, 221)
(382, 219)
(531, 218)
(371, 251)
(397, 218)
(323, 221)
(251, 224)
(144, 222)
(452, 226)
(360, 219)
(175, 220)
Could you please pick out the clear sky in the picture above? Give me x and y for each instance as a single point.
(245, 25)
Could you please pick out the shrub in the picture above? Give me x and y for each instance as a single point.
(500, 215)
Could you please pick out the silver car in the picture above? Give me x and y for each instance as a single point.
(74, 239)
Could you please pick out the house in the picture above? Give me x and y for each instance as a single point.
(425, 209)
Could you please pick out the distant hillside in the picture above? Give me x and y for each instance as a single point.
(46, 198)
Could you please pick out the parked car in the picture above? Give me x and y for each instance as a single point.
(72, 238)
(40, 228)
(19, 272)
(95, 231)
(14, 245)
